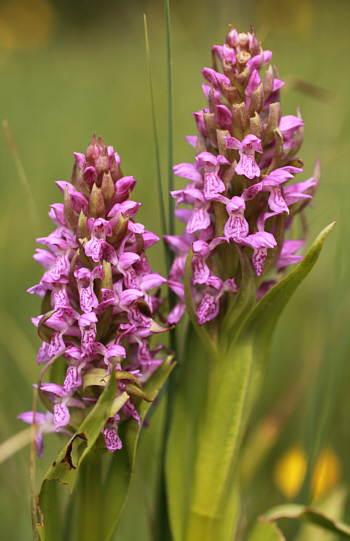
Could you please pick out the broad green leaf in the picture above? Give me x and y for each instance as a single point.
(119, 477)
(51, 527)
(182, 441)
(223, 525)
(41, 532)
(97, 376)
(308, 514)
(333, 505)
(63, 468)
(266, 531)
(240, 378)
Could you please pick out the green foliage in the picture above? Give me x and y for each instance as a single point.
(221, 416)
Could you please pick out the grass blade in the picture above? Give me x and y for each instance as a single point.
(170, 119)
(156, 145)
(23, 178)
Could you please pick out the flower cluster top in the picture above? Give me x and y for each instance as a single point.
(97, 309)
(237, 192)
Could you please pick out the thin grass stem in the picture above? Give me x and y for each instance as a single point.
(23, 178)
(156, 146)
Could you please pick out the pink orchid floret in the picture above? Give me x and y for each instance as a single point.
(247, 147)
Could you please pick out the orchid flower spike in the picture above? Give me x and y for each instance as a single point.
(97, 285)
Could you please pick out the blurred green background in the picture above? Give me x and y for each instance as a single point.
(69, 69)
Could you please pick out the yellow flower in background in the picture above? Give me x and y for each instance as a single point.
(26, 24)
(290, 471)
(326, 474)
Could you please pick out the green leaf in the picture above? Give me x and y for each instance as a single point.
(182, 441)
(308, 514)
(155, 136)
(97, 376)
(63, 468)
(238, 382)
(266, 531)
(119, 477)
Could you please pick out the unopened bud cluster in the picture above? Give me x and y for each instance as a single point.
(237, 199)
(97, 310)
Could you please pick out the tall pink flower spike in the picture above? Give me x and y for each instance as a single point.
(241, 185)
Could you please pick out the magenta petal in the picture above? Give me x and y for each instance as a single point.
(187, 170)
(192, 140)
(208, 309)
(73, 378)
(127, 259)
(115, 351)
(90, 176)
(61, 415)
(53, 388)
(176, 313)
(212, 184)
(276, 201)
(79, 158)
(200, 220)
(130, 295)
(112, 440)
(258, 260)
(152, 280)
(178, 288)
(252, 191)
(248, 167)
(215, 78)
(135, 227)
(27, 417)
(236, 227)
(232, 142)
(290, 122)
(224, 117)
(200, 270)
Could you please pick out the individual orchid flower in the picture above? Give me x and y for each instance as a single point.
(211, 164)
(200, 269)
(99, 229)
(247, 147)
(208, 308)
(61, 399)
(44, 423)
(288, 126)
(287, 255)
(110, 432)
(85, 280)
(260, 242)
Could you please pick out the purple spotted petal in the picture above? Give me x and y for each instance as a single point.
(208, 308)
(276, 201)
(112, 440)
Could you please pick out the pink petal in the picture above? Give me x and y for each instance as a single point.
(61, 415)
(112, 440)
(208, 309)
(258, 260)
(276, 201)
